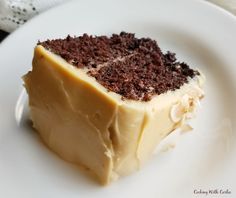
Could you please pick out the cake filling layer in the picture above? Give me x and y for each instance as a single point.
(132, 67)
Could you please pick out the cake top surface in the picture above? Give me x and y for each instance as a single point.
(133, 67)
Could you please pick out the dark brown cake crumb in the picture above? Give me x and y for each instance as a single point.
(90, 51)
(135, 68)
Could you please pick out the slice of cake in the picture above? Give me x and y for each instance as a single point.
(106, 102)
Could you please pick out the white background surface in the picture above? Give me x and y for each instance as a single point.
(201, 34)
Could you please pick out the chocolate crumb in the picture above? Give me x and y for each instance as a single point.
(132, 67)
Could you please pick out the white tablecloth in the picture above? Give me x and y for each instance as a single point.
(229, 5)
(14, 13)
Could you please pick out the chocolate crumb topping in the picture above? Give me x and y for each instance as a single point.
(134, 68)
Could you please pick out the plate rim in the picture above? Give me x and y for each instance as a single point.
(5, 42)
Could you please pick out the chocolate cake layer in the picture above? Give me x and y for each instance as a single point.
(132, 67)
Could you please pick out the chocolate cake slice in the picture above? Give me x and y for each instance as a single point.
(106, 102)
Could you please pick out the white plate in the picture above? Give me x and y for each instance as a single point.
(200, 33)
